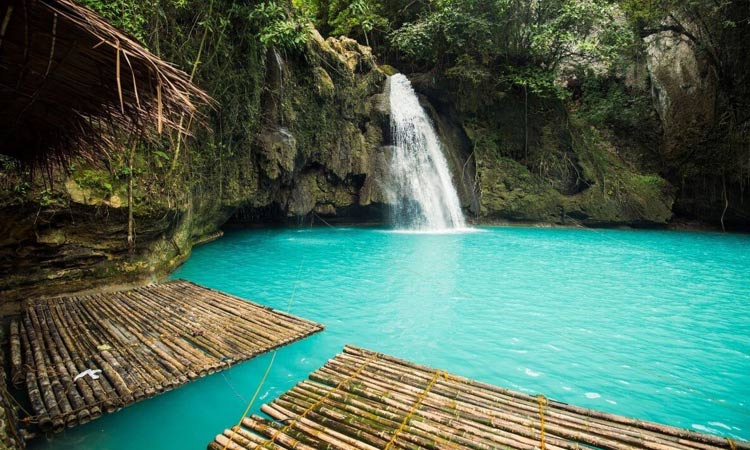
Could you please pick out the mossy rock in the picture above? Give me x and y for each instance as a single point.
(323, 83)
(388, 70)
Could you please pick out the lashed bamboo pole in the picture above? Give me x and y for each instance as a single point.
(642, 430)
(276, 433)
(320, 431)
(42, 376)
(582, 436)
(151, 366)
(207, 342)
(115, 372)
(263, 429)
(521, 417)
(413, 407)
(33, 387)
(612, 418)
(373, 389)
(165, 371)
(382, 420)
(281, 318)
(148, 360)
(144, 341)
(209, 314)
(16, 356)
(143, 363)
(78, 412)
(436, 402)
(86, 391)
(102, 388)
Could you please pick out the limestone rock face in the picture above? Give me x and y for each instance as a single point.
(684, 88)
(278, 150)
(549, 166)
(308, 145)
(319, 151)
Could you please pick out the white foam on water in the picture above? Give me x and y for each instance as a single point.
(592, 395)
(702, 428)
(463, 230)
(721, 425)
(532, 373)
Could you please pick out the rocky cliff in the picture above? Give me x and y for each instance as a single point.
(704, 118)
(306, 139)
(302, 137)
(531, 160)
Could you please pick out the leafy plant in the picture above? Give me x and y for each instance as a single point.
(277, 27)
(526, 44)
(362, 15)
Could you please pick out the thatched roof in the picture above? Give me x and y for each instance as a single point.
(69, 81)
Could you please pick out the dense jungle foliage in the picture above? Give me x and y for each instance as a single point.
(587, 112)
(581, 49)
(576, 56)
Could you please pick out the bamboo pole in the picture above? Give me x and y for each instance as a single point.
(379, 386)
(102, 388)
(142, 342)
(42, 376)
(165, 370)
(115, 380)
(162, 323)
(523, 419)
(86, 388)
(268, 431)
(79, 412)
(226, 323)
(391, 397)
(374, 418)
(144, 366)
(16, 355)
(325, 435)
(207, 342)
(33, 387)
(413, 407)
(612, 418)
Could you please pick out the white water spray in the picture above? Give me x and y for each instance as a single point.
(421, 187)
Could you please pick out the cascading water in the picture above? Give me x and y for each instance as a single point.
(420, 188)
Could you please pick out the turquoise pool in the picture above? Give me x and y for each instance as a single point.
(651, 324)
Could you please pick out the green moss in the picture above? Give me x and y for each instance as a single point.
(510, 191)
(388, 70)
(99, 181)
(323, 83)
(566, 168)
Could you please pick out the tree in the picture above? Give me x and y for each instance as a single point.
(515, 42)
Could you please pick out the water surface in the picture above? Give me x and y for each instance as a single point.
(649, 324)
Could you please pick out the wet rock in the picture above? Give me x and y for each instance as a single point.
(278, 151)
(684, 88)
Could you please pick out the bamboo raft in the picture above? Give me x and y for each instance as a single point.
(361, 400)
(144, 341)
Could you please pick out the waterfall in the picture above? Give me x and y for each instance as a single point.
(420, 187)
(280, 65)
